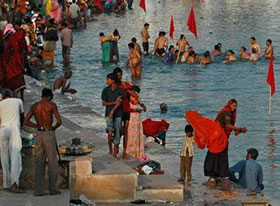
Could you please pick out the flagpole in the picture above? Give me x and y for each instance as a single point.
(270, 103)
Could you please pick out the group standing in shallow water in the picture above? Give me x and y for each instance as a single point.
(172, 55)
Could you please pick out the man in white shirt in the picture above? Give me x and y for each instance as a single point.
(74, 12)
(12, 116)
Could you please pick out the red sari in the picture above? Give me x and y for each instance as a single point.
(2, 74)
(13, 61)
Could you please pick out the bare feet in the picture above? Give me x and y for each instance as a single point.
(211, 182)
(124, 157)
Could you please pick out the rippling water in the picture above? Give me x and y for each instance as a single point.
(184, 87)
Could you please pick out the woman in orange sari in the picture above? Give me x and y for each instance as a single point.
(216, 164)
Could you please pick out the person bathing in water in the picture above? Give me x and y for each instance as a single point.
(254, 45)
(216, 51)
(181, 43)
(134, 59)
(230, 57)
(170, 55)
(161, 44)
(269, 49)
(136, 45)
(206, 58)
(62, 84)
(254, 56)
(243, 54)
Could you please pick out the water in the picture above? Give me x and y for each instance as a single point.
(203, 88)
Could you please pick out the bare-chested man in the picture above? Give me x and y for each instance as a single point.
(134, 59)
(269, 49)
(161, 44)
(136, 45)
(45, 148)
(145, 38)
(255, 45)
(62, 84)
(181, 43)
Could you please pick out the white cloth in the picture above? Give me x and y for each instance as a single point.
(187, 145)
(10, 154)
(10, 110)
(73, 10)
(147, 170)
(10, 139)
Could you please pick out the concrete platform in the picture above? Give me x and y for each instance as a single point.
(28, 199)
(110, 181)
(159, 187)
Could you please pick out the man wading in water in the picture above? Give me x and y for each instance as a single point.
(45, 147)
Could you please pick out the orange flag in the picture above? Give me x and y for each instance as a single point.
(270, 77)
(191, 23)
(143, 5)
(172, 27)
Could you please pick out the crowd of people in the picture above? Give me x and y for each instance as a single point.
(28, 36)
(171, 54)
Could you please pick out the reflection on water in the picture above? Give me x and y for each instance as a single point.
(204, 88)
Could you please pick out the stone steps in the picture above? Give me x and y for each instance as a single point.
(159, 187)
(109, 180)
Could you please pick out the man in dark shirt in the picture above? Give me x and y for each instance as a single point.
(112, 97)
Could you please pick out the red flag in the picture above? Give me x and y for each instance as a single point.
(99, 4)
(191, 23)
(143, 5)
(270, 77)
(172, 27)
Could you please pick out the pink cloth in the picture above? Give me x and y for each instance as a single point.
(135, 142)
(9, 27)
(56, 11)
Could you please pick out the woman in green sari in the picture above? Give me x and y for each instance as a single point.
(105, 47)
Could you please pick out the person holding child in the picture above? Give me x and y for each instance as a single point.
(187, 156)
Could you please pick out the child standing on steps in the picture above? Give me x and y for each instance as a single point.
(187, 156)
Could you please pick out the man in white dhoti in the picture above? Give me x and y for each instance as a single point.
(12, 116)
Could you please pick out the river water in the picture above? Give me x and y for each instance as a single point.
(184, 87)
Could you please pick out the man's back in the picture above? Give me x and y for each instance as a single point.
(10, 110)
(250, 174)
(43, 112)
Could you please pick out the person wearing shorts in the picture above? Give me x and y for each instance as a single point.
(112, 97)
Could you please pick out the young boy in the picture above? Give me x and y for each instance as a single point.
(187, 156)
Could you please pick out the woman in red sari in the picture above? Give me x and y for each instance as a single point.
(216, 164)
(13, 63)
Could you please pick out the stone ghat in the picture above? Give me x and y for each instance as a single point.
(102, 178)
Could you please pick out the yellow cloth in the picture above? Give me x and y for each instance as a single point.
(48, 7)
(187, 144)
